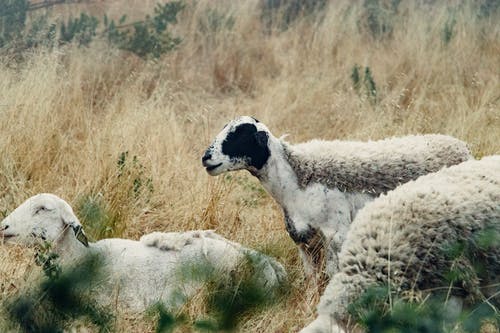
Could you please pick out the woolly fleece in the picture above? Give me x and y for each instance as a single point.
(400, 237)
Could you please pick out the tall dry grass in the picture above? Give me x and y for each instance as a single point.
(67, 115)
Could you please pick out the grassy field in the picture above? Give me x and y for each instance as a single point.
(121, 138)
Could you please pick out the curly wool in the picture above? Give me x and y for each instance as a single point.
(373, 167)
(401, 237)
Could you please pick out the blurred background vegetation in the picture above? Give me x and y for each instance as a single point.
(110, 104)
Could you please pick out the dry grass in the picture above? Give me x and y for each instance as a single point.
(67, 115)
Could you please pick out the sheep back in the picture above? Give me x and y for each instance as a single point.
(197, 246)
(374, 166)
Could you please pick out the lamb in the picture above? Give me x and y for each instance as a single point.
(400, 240)
(137, 274)
(321, 185)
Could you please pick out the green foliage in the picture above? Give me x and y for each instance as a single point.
(486, 239)
(468, 262)
(356, 78)
(166, 322)
(368, 81)
(372, 311)
(379, 17)
(215, 20)
(59, 300)
(229, 297)
(488, 8)
(103, 212)
(376, 312)
(133, 171)
(282, 13)
(480, 241)
(41, 33)
(473, 320)
(13, 15)
(95, 215)
(80, 30)
(48, 260)
(370, 86)
(448, 30)
(148, 38)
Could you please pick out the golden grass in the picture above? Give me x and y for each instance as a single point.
(66, 116)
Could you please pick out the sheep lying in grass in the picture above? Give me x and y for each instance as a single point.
(322, 184)
(405, 240)
(137, 273)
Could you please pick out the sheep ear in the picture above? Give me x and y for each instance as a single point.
(261, 137)
(80, 235)
(71, 220)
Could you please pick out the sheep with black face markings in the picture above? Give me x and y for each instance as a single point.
(401, 240)
(136, 274)
(321, 185)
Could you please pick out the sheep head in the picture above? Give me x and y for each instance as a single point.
(242, 144)
(43, 217)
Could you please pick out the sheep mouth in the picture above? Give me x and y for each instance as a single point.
(6, 237)
(212, 167)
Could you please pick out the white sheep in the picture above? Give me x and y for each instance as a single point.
(321, 185)
(400, 240)
(137, 273)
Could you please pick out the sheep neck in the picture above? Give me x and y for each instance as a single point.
(278, 177)
(68, 247)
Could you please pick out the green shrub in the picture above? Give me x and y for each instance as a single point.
(151, 36)
(378, 17)
(95, 215)
(380, 309)
(449, 27)
(165, 321)
(13, 15)
(214, 20)
(147, 38)
(367, 79)
(59, 300)
(229, 298)
(131, 171)
(104, 211)
(282, 13)
(80, 30)
(373, 311)
(488, 8)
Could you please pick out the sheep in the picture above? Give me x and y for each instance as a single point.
(137, 273)
(321, 185)
(400, 240)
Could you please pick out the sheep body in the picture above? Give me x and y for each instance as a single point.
(271, 273)
(373, 167)
(134, 274)
(321, 185)
(402, 237)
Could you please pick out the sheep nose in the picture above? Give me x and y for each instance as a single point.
(206, 156)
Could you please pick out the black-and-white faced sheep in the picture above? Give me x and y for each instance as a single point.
(402, 240)
(322, 184)
(137, 273)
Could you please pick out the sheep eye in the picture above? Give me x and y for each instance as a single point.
(41, 209)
